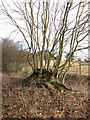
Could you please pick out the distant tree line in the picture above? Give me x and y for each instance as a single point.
(12, 55)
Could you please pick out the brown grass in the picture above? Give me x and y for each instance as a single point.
(76, 68)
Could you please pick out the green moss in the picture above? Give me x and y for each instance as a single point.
(45, 80)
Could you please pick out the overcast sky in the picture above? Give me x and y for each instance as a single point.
(6, 29)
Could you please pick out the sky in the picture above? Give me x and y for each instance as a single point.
(6, 29)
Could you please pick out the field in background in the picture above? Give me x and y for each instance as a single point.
(78, 68)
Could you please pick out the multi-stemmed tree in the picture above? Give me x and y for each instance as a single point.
(50, 29)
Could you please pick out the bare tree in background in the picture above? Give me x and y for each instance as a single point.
(12, 55)
(50, 29)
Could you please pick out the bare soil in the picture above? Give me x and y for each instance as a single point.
(33, 103)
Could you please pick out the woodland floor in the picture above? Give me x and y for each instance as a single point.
(33, 103)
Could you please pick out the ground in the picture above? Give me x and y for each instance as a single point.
(32, 102)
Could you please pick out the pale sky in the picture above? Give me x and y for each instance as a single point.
(6, 29)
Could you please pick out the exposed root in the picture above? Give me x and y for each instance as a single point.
(46, 80)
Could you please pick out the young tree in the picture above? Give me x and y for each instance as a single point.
(48, 28)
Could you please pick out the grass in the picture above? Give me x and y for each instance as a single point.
(76, 68)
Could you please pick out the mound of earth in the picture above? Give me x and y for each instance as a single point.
(33, 102)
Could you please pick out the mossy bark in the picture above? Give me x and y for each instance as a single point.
(45, 80)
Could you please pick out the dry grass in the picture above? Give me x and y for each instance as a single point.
(76, 68)
(79, 83)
